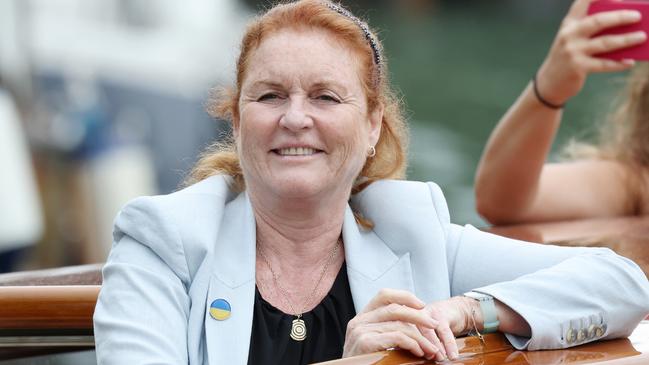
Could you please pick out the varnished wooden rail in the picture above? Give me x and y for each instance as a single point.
(47, 307)
(496, 350)
(468, 347)
(48, 311)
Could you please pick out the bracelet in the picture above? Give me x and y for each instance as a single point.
(488, 308)
(475, 328)
(541, 99)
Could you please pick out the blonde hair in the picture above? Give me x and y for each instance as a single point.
(624, 136)
(391, 150)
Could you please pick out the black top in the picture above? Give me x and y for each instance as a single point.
(270, 342)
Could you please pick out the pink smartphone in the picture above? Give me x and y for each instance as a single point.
(639, 52)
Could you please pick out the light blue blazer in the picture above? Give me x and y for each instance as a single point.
(174, 254)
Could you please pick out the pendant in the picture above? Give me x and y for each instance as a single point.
(298, 329)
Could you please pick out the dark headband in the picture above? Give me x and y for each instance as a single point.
(366, 31)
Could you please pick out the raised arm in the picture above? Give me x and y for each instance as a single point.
(513, 182)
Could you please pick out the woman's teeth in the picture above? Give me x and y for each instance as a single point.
(296, 151)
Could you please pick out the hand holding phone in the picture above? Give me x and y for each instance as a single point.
(581, 39)
(638, 52)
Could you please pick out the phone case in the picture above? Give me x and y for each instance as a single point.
(639, 52)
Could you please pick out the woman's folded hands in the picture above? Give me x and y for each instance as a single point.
(398, 319)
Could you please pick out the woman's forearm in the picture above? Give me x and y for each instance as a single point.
(511, 322)
(508, 175)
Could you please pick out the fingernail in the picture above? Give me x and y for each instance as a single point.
(634, 15)
(454, 355)
(441, 356)
(639, 35)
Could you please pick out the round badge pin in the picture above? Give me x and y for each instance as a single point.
(220, 309)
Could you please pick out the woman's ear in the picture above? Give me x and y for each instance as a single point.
(376, 121)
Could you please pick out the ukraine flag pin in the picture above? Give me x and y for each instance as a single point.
(220, 309)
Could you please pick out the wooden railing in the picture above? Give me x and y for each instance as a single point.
(48, 311)
(496, 350)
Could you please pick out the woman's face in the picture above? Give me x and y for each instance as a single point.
(304, 127)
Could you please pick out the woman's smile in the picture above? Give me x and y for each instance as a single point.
(296, 151)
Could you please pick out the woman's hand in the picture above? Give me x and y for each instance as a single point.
(454, 319)
(572, 56)
(396, 318)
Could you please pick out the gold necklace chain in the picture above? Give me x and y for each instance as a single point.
(298, 328)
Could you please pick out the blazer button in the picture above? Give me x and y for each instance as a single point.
(582, 334)
(571, 335)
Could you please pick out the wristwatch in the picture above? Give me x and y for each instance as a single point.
(489, 315)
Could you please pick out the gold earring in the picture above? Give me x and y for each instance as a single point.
(371, 152)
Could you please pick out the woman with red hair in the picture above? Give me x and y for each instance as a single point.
(297, 242)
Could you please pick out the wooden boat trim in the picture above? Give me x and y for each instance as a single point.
(47, 307)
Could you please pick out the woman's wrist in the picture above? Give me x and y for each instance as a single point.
(542, 99)
(511, 321)
(472, 315)
(554, 87)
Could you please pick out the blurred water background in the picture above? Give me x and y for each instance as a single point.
(109, 99)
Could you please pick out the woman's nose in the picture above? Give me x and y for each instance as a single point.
(296, 118)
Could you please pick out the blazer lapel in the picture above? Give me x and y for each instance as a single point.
(232, 279)
(371, 264)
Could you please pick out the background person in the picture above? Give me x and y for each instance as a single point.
(293, 245)
(513, 181)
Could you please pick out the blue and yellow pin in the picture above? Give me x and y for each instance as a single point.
(220, 310)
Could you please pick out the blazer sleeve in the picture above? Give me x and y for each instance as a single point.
(143, 307)
(568, 295)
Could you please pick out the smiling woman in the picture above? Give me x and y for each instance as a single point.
(357, 79)
(295, 244)
(305, 129)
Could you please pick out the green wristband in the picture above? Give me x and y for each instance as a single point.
(488, 308)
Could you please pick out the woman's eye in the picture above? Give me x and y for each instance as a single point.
(328, 98)
(268, 97)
